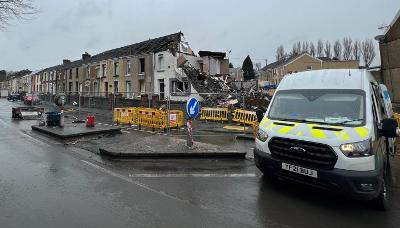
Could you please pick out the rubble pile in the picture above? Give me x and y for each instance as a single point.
(217, 91)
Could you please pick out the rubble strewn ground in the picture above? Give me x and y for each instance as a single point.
(218, 91)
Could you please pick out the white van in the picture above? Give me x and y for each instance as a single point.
(328, 129)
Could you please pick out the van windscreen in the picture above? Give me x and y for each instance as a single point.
(332, 107)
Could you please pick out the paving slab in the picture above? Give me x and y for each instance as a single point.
(75, 130)
(162, 146)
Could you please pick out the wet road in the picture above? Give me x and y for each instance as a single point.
(46, 184)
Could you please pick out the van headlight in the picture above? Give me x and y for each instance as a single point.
(262, 135)
(358, 149)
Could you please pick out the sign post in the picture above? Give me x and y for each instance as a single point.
(192, 110)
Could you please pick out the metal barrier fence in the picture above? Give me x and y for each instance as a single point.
(218, 114)
(397, 117)
(244, 117)
(148, 117)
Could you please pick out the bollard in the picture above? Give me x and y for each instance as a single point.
(189, 141)
(62, 117)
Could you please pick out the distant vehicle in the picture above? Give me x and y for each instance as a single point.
(329, 129)
(27, 112)
(14, 97)
(31, 99)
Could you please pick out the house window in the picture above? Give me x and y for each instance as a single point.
(141, 65)
(180, 87)
(116, 68)
(88, 72)
(201, 67)
(128, 67)
(103, 70)
(309, 67)
(128, 89)
(106, 88)
(160, 62)
(96, 88)
(115, 87)
(142, 86)
(76, 86)
(70, 87)
(77, 73)
(70, 73)
(98, 71)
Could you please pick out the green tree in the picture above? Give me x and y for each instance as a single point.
(231, 65)
(248, 70)
(3, 74)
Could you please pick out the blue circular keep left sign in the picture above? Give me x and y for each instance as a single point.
(193, 107)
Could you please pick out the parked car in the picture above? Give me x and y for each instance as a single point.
(14, 97)
(329, 129)
(31, 99)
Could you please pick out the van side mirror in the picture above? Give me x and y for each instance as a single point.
(389, 128)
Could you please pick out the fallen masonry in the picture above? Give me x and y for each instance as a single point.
(219, 91)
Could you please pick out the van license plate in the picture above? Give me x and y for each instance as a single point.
(300, 170)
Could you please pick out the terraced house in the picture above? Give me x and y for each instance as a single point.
(149, 67)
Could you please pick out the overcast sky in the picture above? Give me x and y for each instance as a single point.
(66, 29)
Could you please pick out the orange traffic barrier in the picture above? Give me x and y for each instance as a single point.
(244, 116)
(214, 114)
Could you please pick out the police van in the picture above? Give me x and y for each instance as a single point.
(330, 129)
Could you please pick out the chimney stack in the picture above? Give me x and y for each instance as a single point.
(65, 61)
(86, 56)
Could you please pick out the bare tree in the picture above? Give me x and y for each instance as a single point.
(280, 53)
(368, 51)
(312, 49)
(320, 48)
(305, 47)
(15, 9)
(327, 49)
(296, 49)
(347, 48)
(356, 50)
(337, 49)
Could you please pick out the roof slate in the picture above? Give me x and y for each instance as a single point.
(280, 62)
(169, 42)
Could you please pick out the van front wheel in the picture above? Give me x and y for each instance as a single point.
(382, 201)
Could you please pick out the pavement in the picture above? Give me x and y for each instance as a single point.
(45, 183)
(75, 130)
(156, 145)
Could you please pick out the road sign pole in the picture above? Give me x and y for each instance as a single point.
(192, 110)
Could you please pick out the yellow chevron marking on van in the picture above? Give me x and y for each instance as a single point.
(362, 132)
(316, 133)
(285, 129)
(270, 126)
(342, 135)
(264, 121)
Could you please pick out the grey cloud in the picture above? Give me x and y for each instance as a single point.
(65, 29)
